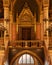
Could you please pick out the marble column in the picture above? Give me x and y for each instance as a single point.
(46, 24)
(6, 21)
(11, 26)
(42, 25)
(2, 57)
(6, 25)
(17, 20)
(34, 22)
(11, 23)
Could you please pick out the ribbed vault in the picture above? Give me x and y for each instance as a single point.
(32, 4)
(20, 3)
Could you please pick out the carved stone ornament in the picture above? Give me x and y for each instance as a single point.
(6, 2)
(26, 18)
(26, 15)
(45, 2)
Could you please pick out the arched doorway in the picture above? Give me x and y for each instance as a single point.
(26, 58)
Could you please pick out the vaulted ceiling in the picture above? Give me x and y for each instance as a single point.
(31, 3)
(19, 6)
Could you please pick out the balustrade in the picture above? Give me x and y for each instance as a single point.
(27, 43)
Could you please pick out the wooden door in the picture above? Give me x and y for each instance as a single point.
(26, 33)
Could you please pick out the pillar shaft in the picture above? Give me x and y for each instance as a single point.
(6, 25)
(11, 20)
(42, 25)
(46, 24)
(2, 57)
(17, 20)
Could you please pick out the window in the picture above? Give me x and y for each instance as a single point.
(26, 59)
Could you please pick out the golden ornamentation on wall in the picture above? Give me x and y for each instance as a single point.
(26, 16)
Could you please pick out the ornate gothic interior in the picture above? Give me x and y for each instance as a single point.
(25, 32)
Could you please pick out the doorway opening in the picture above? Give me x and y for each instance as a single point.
(26, 33)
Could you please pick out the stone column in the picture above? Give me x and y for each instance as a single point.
(17, 19)
(11, 22)
(46, 20)
(2, 57)
(42, 25)
(6, 25)
(46, 25)
(6, 20)
(34, 22)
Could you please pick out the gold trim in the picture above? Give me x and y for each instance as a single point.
(23, 52)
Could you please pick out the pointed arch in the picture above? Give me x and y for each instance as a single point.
(23, 52)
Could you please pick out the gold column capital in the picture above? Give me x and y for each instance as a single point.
(6, 3)
(45, 3)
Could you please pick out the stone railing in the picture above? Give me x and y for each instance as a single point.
(27, 43)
